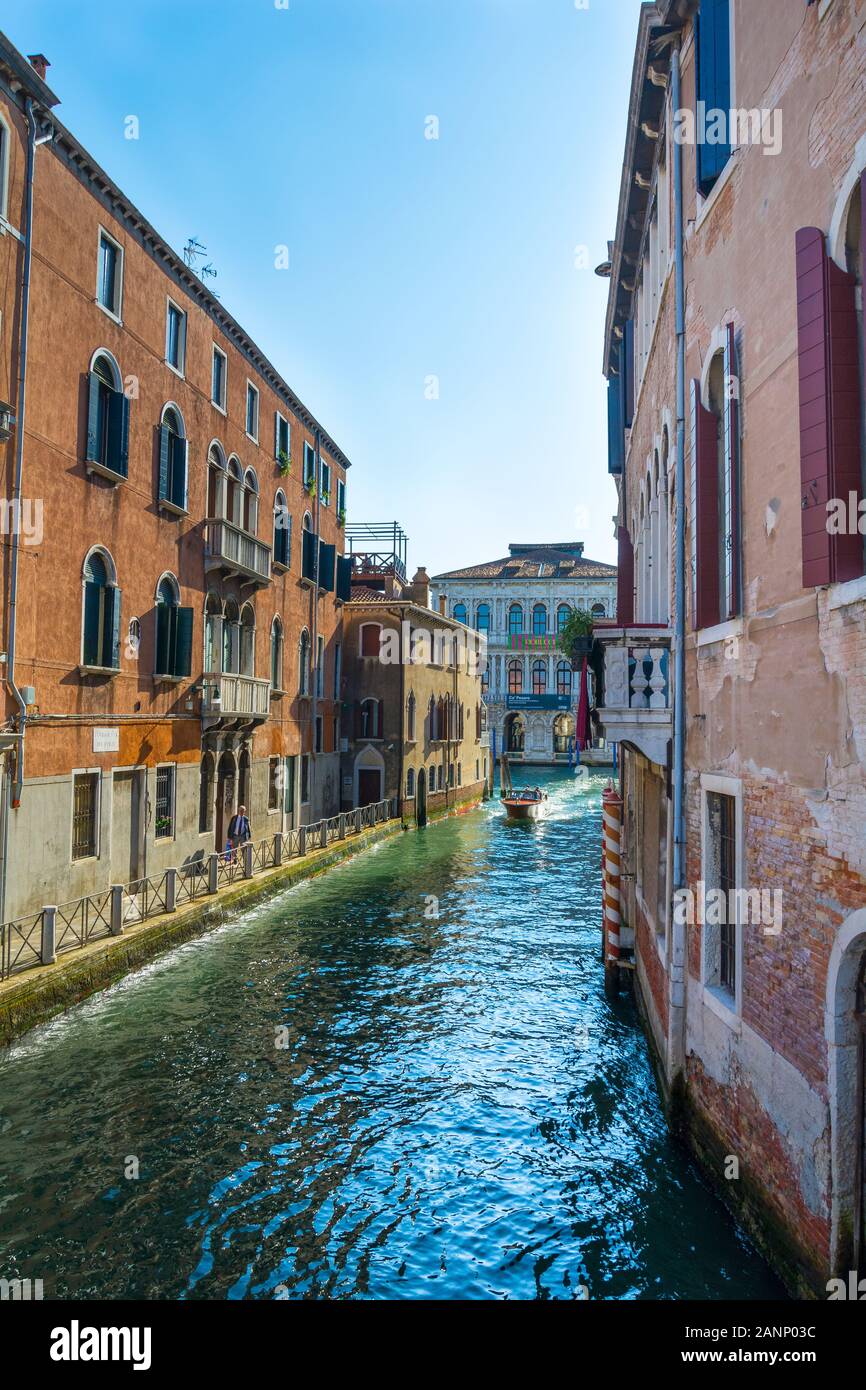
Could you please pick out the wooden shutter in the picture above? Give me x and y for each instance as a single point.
(118, 433)
(624, 578)
(112, 627)
(91, 623)
(731, 538)
(706, 610)
(713, 84)
(183, 642)
(163, 639)
(327, 557)
(615, 427)
(178, 471)
(830, 396)
(164, 462)
(93, 413)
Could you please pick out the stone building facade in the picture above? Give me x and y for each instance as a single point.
(521, 602)
(415, 723)
(170, 597)
(756, 1008)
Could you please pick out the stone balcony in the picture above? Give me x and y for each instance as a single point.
(233, 551)
(231, 697)
(635, 694)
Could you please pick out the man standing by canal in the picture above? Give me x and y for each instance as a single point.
(239, 829)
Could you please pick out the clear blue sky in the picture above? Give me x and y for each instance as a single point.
(409, 257)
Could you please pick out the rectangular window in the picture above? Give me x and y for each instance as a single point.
(338, 657)
(309, 464)
(289, 786)
(282, 439)
(252, 412)
(164, 820)
(325, 483)
(305, 778)
(175, 338)
(318, 733)
(85, 812)
(341, 499)
(722, 876)
(218, 378)
(274, 784)
(320, 669)
(109, 279)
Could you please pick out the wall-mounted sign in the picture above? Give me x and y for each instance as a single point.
(106, 740)
(538, 702)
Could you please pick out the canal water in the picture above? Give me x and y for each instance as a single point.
(400, 1080)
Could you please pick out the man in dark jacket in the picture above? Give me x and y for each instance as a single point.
(239, 828)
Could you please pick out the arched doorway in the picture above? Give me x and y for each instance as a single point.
(244, 781)
(515, 733)
(563, 733)
(369, 779)
(845, 1030)
(225, 800)
(421, 799)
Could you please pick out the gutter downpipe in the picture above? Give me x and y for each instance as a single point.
(14, 798)
(678, 952)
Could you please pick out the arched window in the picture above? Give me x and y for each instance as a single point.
(213, 621)
(515, 677)
(205, 795)
(248, 641)
(515, 620)
(410, 782)
(562, 615)
(482, 617)
(173, 631)
(216, 481)
(459, 614)
(276, 655)
(107, 418)
(251, 503)
(231, 638)
(539, 620)
(172, 490)
(597, 610)
(410, 717)
(235, 493)
(563, 679)
(369, 719)
(539, 677)
(101, 613)
(282, 530)
(304, 663)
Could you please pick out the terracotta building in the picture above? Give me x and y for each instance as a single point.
(172, 537)
(415, 722)
(736, 678)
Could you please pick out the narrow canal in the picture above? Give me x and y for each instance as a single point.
(399, 1080)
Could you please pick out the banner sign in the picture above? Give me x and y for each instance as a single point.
(525, 642)
(537, 702)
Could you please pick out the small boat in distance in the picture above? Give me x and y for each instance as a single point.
(520, 803)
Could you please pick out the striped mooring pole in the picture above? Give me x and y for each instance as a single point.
(612, 836)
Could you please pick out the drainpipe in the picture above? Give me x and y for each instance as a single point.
(678, 945)
(15, 797)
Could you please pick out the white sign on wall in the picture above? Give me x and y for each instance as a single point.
(106, 740)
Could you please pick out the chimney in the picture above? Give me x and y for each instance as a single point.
(419, 589)
(39, 63)
(443, 606)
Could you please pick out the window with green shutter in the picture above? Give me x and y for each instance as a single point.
(713, 90)
(101, 625)
(173, 655)
(172, 462)
(107, 420)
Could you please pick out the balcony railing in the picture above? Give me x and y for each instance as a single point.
(635, 696)
(229, 548)
(235, 697)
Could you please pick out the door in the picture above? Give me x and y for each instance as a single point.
(421, 799)
(369, 785)
(125, 826)
(225, 800)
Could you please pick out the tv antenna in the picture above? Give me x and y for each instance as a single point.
(192, 254)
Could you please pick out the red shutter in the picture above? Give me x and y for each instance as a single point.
(705, 507)
(829, 409)
(624, 578)
(731, 523)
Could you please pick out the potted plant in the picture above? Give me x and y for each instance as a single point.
(575, 639)
(284, 463)
(341, 517)
(311, 486)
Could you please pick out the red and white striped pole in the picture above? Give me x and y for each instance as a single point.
(612, 821)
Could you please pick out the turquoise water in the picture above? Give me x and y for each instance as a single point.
(400, 1080)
